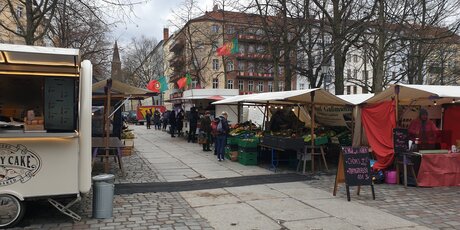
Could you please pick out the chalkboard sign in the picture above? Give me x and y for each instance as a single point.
(357, 166)
(400, 140)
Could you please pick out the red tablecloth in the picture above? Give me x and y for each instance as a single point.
(439, 170)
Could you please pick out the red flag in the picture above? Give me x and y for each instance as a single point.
(182, 82)
(154, 85)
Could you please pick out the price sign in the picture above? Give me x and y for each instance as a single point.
(357, 166)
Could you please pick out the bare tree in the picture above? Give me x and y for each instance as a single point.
(141, 63)
(31, 25)
(78, 25)
(346, 24)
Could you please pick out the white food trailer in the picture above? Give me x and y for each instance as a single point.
(45, 128)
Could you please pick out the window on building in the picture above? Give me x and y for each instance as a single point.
(215, 28)
(355, 74)
(215, 83)
(194, 84)
(250, 86)
(230, 66)
(230, 84)
(365, 75)
(281, 86)
(214, 46)
(215, 64)
(241, 66)
(393, 74)
(199, 45)
(355, 89)
(241, 85)
(260, 86)
(348, 89)
(251, 67)
(301, 86)
(241, 48)
(355, 58)
(280, 70)
(251, 49)
(270, 86)
(348, 73)
(18, 30)
(349, 57)
(19, 11)
(230, 30)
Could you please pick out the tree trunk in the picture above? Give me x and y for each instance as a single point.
(380, 62)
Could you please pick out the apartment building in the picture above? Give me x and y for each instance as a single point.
(193, 50)
(7, 18)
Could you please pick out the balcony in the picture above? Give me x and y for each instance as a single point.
(250, 37)
(254, 56)
(254, 75)
(177, 46)
(177, 61)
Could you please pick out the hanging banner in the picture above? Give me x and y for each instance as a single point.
(334, 115)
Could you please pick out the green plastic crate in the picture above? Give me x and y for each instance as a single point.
(247, 155)
(233, 140)
(248, 143)
(247, 159)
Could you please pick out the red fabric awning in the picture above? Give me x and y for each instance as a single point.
(379, 121)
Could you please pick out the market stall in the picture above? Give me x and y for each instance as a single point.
(45, 131)
(109, 137)
(291, 102)
(395, 107)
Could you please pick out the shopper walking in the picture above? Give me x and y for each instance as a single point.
(222, 130)
(164, 119)
(205, 127)
(156, 119)
(193, 119)
(180, 122)
(148, 118)
(172, 122)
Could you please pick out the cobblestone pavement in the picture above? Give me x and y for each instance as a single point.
(133, 211)
(435, 208)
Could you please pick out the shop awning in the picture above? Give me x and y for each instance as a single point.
(120, 89)
(39, 61)
(288, 97)
(418, 94)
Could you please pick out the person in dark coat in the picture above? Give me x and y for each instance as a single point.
(205, 127)
(164, 119)
(156, 119)
(222, 131)
(193, 119)
(180, 122)
(172, 122)
(148, 118)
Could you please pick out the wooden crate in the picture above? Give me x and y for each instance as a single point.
(128, 147)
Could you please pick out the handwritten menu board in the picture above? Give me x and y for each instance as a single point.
(400, 140)
(357, 166)
(59, 104)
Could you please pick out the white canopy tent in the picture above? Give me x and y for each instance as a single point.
(418, 94)
(321, 96)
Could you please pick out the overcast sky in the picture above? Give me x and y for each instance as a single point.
(149, 20)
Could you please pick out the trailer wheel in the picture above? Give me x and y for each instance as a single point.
(11, 210)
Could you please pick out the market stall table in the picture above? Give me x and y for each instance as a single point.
(439, 170)
(114, 143)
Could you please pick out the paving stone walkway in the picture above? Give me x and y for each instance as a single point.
(161, 210)
(435, 208)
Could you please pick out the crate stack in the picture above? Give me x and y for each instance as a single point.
(231, 149)
(247, 151)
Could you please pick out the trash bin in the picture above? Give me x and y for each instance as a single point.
(103, 189)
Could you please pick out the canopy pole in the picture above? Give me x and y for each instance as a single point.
(239, 113)
(107, 125)
(397, 104)
(265, 117)
(353, 113)
(312, 131)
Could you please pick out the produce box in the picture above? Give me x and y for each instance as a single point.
(247, 158)
(248, 142)
(233, 147)
(232, 140)
(248, 149)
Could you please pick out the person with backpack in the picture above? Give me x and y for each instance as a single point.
(222, 131)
